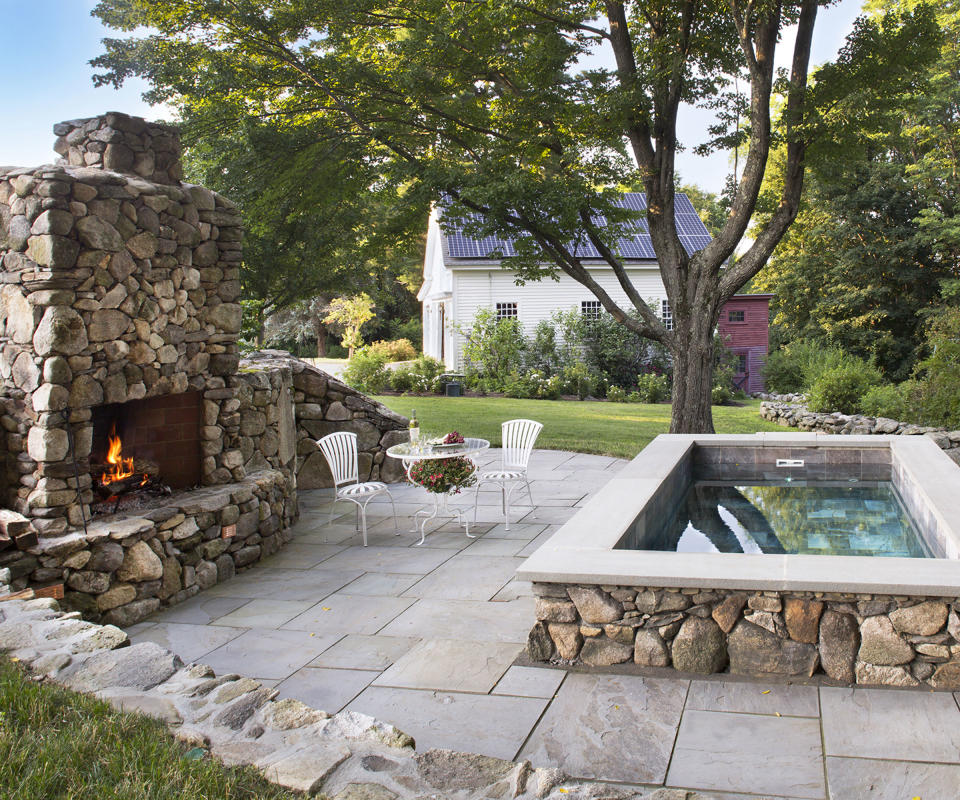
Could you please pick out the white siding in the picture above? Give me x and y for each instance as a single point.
(475, 288)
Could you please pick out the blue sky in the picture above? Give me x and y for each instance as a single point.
(47, 79)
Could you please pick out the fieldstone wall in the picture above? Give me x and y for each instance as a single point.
(789, 411)
(322, 405)
(240, 721)
(114, 287)
(852, 639)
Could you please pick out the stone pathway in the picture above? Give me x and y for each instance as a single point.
(425, 638)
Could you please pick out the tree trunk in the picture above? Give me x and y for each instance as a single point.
(693, 361)
(320, 329)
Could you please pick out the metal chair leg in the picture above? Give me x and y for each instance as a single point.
(533, 508)
(396, 523)
(362, 513)
(476, 501)
(357, 524)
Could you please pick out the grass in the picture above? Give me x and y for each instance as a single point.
(613, 429)
(55, 743)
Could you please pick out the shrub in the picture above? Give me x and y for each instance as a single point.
(616, 395)
(796, 366)
(493, 347)
(652, 388)
(886, 400)
(422, 375)
(367, 371)
(577, 380)
(842, 387)
(721, 395)
(634, 397)
(397, 350)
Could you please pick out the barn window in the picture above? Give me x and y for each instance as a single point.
(506, 311)
(741, 364)
(737, 316)
(590, 309)
(666, 314)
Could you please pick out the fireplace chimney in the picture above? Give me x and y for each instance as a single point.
(121, 143)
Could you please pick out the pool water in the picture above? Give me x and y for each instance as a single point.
(822, 518)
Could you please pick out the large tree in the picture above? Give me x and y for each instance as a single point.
(486, 102)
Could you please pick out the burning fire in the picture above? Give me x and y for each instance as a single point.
(122, 467)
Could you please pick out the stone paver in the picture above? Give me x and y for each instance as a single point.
(868, 779)
(530, 682)
(748, 753)
(329, 689)
(882, 723)
(451, 664)
(424, 637)
(364, 652)
(585, 729)
(488, 724)
(754, 698)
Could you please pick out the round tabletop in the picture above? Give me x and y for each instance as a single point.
(420, 451)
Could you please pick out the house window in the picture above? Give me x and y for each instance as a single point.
(590, 309)
(741, 363)
(737, 316)
(666, 314)
(506, 311)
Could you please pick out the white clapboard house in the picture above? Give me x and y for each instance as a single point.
(461, 277)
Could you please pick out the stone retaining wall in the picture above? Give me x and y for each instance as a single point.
(324, 405)
(786, 411)
(852, 639)
(347, 756)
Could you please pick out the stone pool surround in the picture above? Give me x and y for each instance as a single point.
(853, 620)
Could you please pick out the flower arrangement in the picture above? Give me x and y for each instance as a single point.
(442, 475)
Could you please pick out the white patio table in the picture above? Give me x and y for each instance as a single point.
(410, 453)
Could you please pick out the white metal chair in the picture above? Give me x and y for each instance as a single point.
(340, 450)
(519, 436)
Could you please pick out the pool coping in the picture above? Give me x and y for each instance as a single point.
(582, 550)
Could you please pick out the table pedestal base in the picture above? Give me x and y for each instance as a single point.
(441, 508)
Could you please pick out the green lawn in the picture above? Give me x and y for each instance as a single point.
(58, 744)
(615, 429)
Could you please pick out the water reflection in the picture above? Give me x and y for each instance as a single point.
(826, 519)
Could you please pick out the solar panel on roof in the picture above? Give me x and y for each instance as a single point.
(690, 228)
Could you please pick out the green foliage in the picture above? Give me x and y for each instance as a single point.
(55, 743)
(367, 371)
(652, 388)
(887, 400)
(935, 392)
(350, 314)
(842, 387)
(616, 395)
(492, 348)
(879, 226)
(397, 350)
(578, 380)
(720, 395)
(423, 375)
(442, 475)
(796, 366)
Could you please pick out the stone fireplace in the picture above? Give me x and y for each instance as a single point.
(119, 319)
(119, 306)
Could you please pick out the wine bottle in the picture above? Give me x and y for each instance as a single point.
(414, 427)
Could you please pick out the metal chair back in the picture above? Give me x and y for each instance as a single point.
(519, 436)
(340, 450)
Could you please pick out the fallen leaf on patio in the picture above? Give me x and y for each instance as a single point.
(325, 608)
(777, 713)
(765, 691)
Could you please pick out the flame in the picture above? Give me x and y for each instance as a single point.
(122, 467)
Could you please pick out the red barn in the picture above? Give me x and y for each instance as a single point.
(744, 327)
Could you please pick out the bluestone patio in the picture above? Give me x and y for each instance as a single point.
(426, 638)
